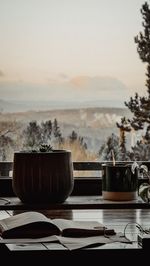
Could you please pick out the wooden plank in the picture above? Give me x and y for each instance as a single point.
(88, 166)
(75, 202)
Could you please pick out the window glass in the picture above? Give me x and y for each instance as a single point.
(67, 67)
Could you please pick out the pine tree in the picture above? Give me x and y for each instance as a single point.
(46, 129)
(57, 133)
(123, 126)
(73, 136)
(140, 105)
(6, 145)
(110, 149)
(32, 136)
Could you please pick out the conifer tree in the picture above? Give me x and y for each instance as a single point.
(46, 129)
(32, 136)
(111, 145)
(73, 137)
(140, 105)
(57, 132)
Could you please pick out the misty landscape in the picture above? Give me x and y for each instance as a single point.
(94, 124)
(89, 106)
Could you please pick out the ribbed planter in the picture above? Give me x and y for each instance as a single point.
(43, 176)
(119, 182)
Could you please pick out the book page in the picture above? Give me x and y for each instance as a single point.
(22, 219)
(79, 228)
(84, 225)
(27, 224)
(35, 224)
(92, 241)
(46, 239)
(71, 243)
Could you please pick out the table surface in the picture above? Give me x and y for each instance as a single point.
(112, 218)
(85, 208)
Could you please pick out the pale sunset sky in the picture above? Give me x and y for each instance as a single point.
(53, 48)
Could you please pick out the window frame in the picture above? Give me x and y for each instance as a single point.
(82, 185)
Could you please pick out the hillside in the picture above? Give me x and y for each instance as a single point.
(93, 124)
(93, 117)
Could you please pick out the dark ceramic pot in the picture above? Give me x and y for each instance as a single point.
(43, 176)
(119, 182)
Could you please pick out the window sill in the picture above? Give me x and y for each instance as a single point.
(73, 203)
(82, 186)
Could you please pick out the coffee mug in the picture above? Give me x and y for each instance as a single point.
(119, 182)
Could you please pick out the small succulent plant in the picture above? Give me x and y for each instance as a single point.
(43, 148)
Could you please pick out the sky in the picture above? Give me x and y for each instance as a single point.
(70, 49)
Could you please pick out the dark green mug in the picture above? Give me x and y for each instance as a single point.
(119, 182)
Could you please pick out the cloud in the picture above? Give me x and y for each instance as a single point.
(1, 73)
(51, 80)
(91, 90)
(80, 81)
(57, 79)
(98, 83)
(63, 76)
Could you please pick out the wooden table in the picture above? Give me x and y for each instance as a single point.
(111, 214)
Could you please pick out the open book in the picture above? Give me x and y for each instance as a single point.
(34, 224)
